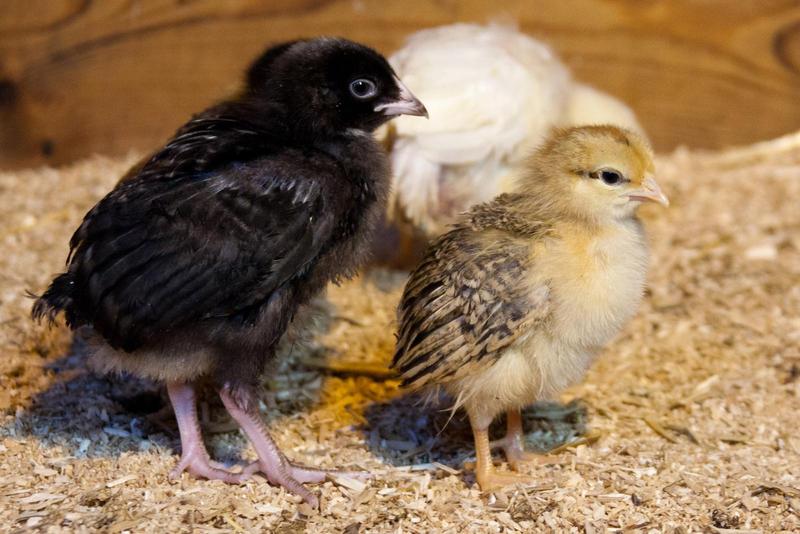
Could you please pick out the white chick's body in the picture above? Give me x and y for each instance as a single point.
(493, 94)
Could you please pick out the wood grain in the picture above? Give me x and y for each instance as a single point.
(83, 76)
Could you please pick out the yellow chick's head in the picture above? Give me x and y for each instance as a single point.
(594, 172)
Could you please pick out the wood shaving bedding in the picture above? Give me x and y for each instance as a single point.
(687, 422)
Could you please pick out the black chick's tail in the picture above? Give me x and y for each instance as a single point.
(58, 297)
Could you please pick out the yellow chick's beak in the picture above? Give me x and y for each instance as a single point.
(649, 191)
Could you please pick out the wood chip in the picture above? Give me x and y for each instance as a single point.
(44, 471)
(121, 481)
(446, 468)
(39, 497)
(236, 526)
(784, 490)
(347, 482)
(658, 429)
(587, 439)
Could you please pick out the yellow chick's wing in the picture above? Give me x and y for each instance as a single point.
(492, 94)
(467, 300)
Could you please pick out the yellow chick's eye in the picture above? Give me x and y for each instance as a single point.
(608, 176)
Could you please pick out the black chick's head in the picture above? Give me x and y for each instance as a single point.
(331, 84)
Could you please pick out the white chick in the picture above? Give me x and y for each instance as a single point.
(493, 94)
(587, 105)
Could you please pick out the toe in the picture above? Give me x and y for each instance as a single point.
(295, 486)
(200, 466)
(501, 480)
(313, 475)
(182, 466)
(308, 474)
(220, 465)
(211, 473)
(523, 460)
(290, 477)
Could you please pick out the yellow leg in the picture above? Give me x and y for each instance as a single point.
(488, 477)
(512, 443)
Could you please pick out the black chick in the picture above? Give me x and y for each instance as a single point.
(196, 264)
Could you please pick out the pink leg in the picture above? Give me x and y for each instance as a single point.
(271, 461)
(194, 456)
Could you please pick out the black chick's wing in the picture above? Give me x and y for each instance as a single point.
(209, 141)
(462, 305)
(164, 251)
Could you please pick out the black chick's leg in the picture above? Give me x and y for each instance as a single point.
(271, 461)
(194, 456)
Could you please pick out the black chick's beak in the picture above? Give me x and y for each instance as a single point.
(406, 104)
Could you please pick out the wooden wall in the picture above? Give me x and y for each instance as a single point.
(83, 76)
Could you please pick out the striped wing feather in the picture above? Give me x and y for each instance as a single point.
(463, 305)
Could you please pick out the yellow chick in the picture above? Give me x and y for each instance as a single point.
(493, 94)
(514, 302)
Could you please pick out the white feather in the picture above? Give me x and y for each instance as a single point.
(492, 93)
(587, 105)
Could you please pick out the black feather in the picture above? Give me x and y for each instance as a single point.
(58, 297)
(249, 210)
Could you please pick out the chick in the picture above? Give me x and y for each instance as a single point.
(494, 94)
(514, 302)
(587, 105)
(196, 263)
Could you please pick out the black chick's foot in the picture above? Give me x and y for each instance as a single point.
(194, 456)
(271, 461)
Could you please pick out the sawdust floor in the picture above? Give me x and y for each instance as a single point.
(686, 423)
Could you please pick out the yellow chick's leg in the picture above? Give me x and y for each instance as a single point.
(488, 477)
(512, 443)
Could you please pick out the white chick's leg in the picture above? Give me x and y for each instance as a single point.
(488, 477)
(194, 456)
(271, 461)
(512, 443)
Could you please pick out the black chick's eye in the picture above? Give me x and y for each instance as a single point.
(608, 176)
(363, 88)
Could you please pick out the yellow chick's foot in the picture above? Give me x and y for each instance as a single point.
(489, 479)
(523, 460)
